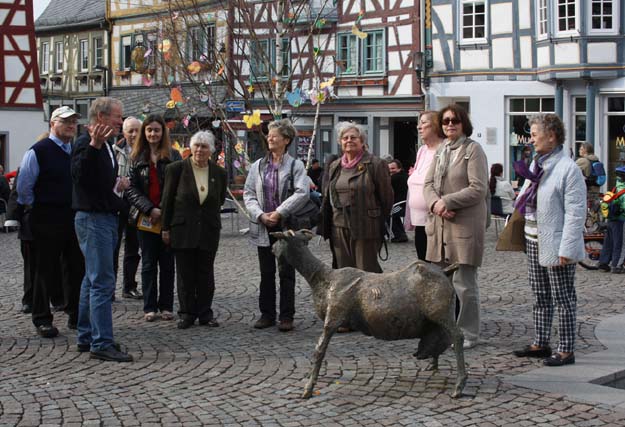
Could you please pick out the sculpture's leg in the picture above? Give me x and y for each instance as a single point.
(461, 378)
(320, 352)
(433, 365)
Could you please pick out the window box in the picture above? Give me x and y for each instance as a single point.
(122, 73)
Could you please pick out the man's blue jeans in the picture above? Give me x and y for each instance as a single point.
(97, 235)
(612, 243)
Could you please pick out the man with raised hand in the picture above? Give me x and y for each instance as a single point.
(97, 201)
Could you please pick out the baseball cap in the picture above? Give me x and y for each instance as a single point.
(63, 113)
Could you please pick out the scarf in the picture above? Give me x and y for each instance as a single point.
(526, 202)
(346, 164)
(442, 161)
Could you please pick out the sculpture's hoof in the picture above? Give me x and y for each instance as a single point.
(307, 394)
(432, 367)
(456, 394)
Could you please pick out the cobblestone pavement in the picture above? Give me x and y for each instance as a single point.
(236, 375)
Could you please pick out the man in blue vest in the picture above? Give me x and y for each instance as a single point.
(45, 185)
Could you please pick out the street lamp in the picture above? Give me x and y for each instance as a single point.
(105, 79)
(419, 69)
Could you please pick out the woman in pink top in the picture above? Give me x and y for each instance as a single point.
(431, 133)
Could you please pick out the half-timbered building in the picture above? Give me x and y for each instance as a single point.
(507, 59)
(21, 118)
(73, 54)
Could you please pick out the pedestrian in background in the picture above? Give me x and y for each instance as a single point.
(267, 200)
(127, 223)
(150, 156)
(97, 201)
(501, 187)
(553, 200)
(431, 134)
(613, 240)
(399, 182)
(193, 194)
(455, 191)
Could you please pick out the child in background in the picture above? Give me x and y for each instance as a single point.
(613, 240)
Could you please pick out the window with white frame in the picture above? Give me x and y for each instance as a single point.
(355, 56)
(84, 55)
(45, 57)
(566, 15)
(519, 111)
(541, 17)
(603, 16)
(263, 59)
(125, 54)
(201, 43)
(98, 52)
(58, 57)
(472, 20)
(579, 121)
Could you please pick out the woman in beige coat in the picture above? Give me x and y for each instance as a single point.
(455, 192)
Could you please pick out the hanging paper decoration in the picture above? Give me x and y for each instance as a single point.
(221, 159)
(316, 97)
(165, 45)
(176, 96)
(319, 23)
(221, 71)
(203, 99)
(316, 52)
(360, 34)
(185, 121)
(295, 97)
(360, 15)
(252, 120)
(250, 89)
(216, 123)
(170, 124)
(327, 83)
(174, 16)
(170, 79)
(194, 67)
(146, 80)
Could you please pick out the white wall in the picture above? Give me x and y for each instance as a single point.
(23, 127)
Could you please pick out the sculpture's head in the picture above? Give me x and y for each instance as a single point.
(290, 241)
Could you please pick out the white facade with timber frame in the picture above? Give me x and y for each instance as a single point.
(507, 59)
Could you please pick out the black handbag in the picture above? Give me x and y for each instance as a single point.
(307, 216)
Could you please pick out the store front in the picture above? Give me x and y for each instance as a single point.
(615, 134)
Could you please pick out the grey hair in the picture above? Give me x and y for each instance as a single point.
(549, 122)
(285, 128)
(342, 127)
(102, 105)
(590, 149)
(203, 137)
(129, 120)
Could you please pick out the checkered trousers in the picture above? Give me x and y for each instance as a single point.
(552, 285)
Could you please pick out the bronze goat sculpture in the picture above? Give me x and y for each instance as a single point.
(416, 302)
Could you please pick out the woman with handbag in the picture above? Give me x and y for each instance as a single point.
(193, 194)
(455, 191)
(553, 201)
(150, 155)
(269, 203)
(356, 202)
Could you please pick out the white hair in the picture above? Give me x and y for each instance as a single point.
(129, 120)
(203, 137)
(342, 127)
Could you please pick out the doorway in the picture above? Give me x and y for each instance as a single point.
(405, 139)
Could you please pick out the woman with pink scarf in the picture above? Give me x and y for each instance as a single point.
(432, 136)
(357, 199)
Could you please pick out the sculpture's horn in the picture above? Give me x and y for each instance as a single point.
(290, 233)
(307, 233)
(278, 235)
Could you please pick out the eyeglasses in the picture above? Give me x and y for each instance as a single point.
(447, 121)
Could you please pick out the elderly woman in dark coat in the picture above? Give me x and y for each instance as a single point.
(194, 191)
(455, 192)
(358, 197)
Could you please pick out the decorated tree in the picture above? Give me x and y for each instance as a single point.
(245, 63)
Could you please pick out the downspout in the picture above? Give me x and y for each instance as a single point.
(426, 48)
(108, 72)
(590, 112)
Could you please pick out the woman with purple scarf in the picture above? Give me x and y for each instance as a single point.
(268, 200)
(553, 200)
(357, 199)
